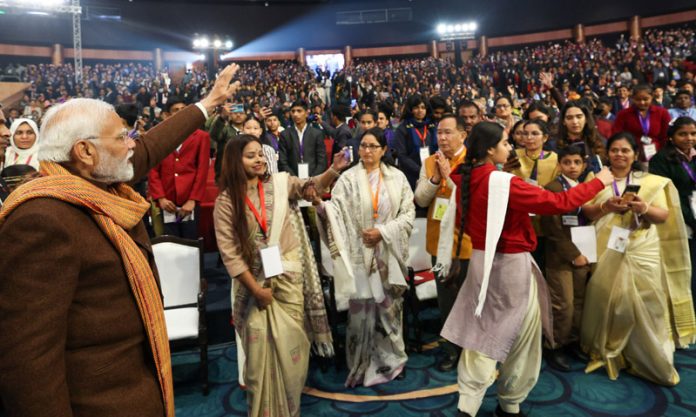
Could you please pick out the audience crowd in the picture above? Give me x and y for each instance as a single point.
(569, 110)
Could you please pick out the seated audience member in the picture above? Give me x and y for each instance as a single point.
(637, 291)
(14, 176)
(433, 191)
(683, 106)
(252, 126)
(576, 128)
(503, 113)
(567, 270)
(645, 121)
(537, 166)
(24, 144)
(177, 183)
(4, 139)
(302, 152)
(470, 113)
(414, 140)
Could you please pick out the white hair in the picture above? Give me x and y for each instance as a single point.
(64, 124)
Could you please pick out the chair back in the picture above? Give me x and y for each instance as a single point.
(180, 265)
(418, 258)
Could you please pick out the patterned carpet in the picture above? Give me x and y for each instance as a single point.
(424, 392)
(427, 392)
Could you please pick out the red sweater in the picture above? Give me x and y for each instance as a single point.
(181, 176)
(518, 234)
(627, 121)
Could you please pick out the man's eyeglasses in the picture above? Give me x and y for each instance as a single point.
(122, 137)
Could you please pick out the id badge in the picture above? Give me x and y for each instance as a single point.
(618, 240)
(441, 205)
(649, 151)
(646, 140)
(570, 220)
(272, 263)
(692, 202)
(424, 153)
(303, 170)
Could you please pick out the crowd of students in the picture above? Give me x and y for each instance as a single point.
(509, 169)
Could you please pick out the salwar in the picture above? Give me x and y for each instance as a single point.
(567, 290)
(518, 373)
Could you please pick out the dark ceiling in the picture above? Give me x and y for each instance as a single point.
(288, 24)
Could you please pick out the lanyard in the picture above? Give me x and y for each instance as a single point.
(535, 168)
(644, 122)
(566, 186)
(616, 187)
(689, 171)
(422, 136)
(375, 197)
(262, 219)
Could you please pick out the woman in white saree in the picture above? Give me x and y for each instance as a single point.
(369, 219)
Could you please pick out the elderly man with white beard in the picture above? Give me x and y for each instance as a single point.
(80, 303)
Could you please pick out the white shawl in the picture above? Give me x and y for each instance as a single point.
(498, 195)
(350, 211)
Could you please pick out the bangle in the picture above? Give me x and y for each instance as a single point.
(334, 171)
(647, 207)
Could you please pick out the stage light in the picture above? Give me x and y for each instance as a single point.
(473, 26)
(441, 28)
(457, 28)
(229, 44)
(217, 43)
(204, 42)
(450, 28)
(196, 43)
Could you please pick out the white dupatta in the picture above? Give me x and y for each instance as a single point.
(498, 196)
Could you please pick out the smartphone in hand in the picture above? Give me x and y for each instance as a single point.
(629, 193)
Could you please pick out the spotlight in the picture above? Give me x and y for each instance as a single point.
(217, 43)
(228, 44)
(204, 43)
(196, 43)
(473, 26)
(441, 28)
(450, 28)
(458, 28)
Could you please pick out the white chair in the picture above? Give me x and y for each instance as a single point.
(421, 280)
(180, 265)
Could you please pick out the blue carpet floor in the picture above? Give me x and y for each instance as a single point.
(572, 394)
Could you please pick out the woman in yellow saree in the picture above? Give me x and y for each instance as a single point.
(638, 302)
(278, 303)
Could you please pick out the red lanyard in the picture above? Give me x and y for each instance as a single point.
(262, 219)
(423, 136)
(375, 197)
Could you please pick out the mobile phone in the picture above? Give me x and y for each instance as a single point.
(630, 193)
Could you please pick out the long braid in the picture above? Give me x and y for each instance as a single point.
(465, 172)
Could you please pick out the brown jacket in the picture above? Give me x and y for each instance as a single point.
(560, 249)
(73, 341)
